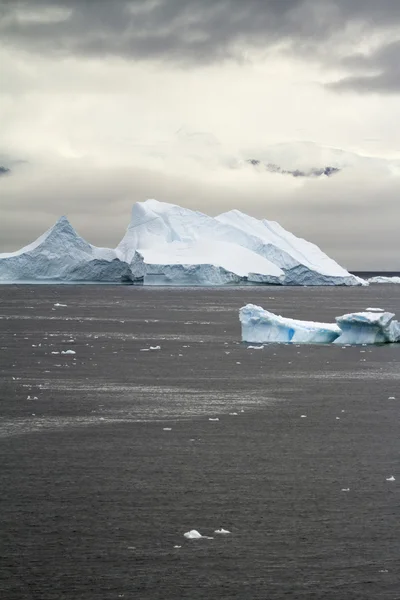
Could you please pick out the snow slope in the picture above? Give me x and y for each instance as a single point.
(60, 254)
(368, 327)
(304, 263)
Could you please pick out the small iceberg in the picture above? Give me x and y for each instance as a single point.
(390, 478)
(192, 535)
(367, 327)
(222, 531)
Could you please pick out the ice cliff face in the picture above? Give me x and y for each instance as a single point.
(178, 234)
(169, 245)
(60, 254)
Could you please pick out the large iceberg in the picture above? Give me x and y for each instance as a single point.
(61, 255)
(368, 327)
(179, 235)
(166, 244)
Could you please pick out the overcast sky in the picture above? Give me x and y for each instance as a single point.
(103, 104)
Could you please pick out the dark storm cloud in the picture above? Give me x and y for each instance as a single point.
(196, 31)
(379, 71)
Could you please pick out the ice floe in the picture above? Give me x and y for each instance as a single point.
(193, 534)
(367, 327)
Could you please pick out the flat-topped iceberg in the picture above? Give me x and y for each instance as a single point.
(368, 327)
(262, 326)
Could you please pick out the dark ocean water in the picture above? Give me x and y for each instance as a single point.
(95, 493)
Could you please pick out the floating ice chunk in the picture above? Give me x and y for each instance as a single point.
(345, 489)
(303, 416)
(55, 353)
(390, 478)
(167, 428)
(177, 546)
(57, 304)
(391, 398)
(368, 328)
(155, 348)
(255, 347)
(193, 534)
(259, 325)
(68, 352)
(381, 279)
(234, 414)
(211, 419)
(374, 310)
(222, 531)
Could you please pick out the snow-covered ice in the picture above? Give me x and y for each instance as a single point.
(261, 326)
(390, 478)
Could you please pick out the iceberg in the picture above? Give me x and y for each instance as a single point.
(262, 326)
(183, 235)
(382, 279)
(368, 328)
(166, 244)
(61, 255)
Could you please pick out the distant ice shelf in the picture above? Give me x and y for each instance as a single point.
(383, 279)
(367, 327)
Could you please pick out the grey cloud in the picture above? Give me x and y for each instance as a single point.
(186, 31)
(376, 72)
